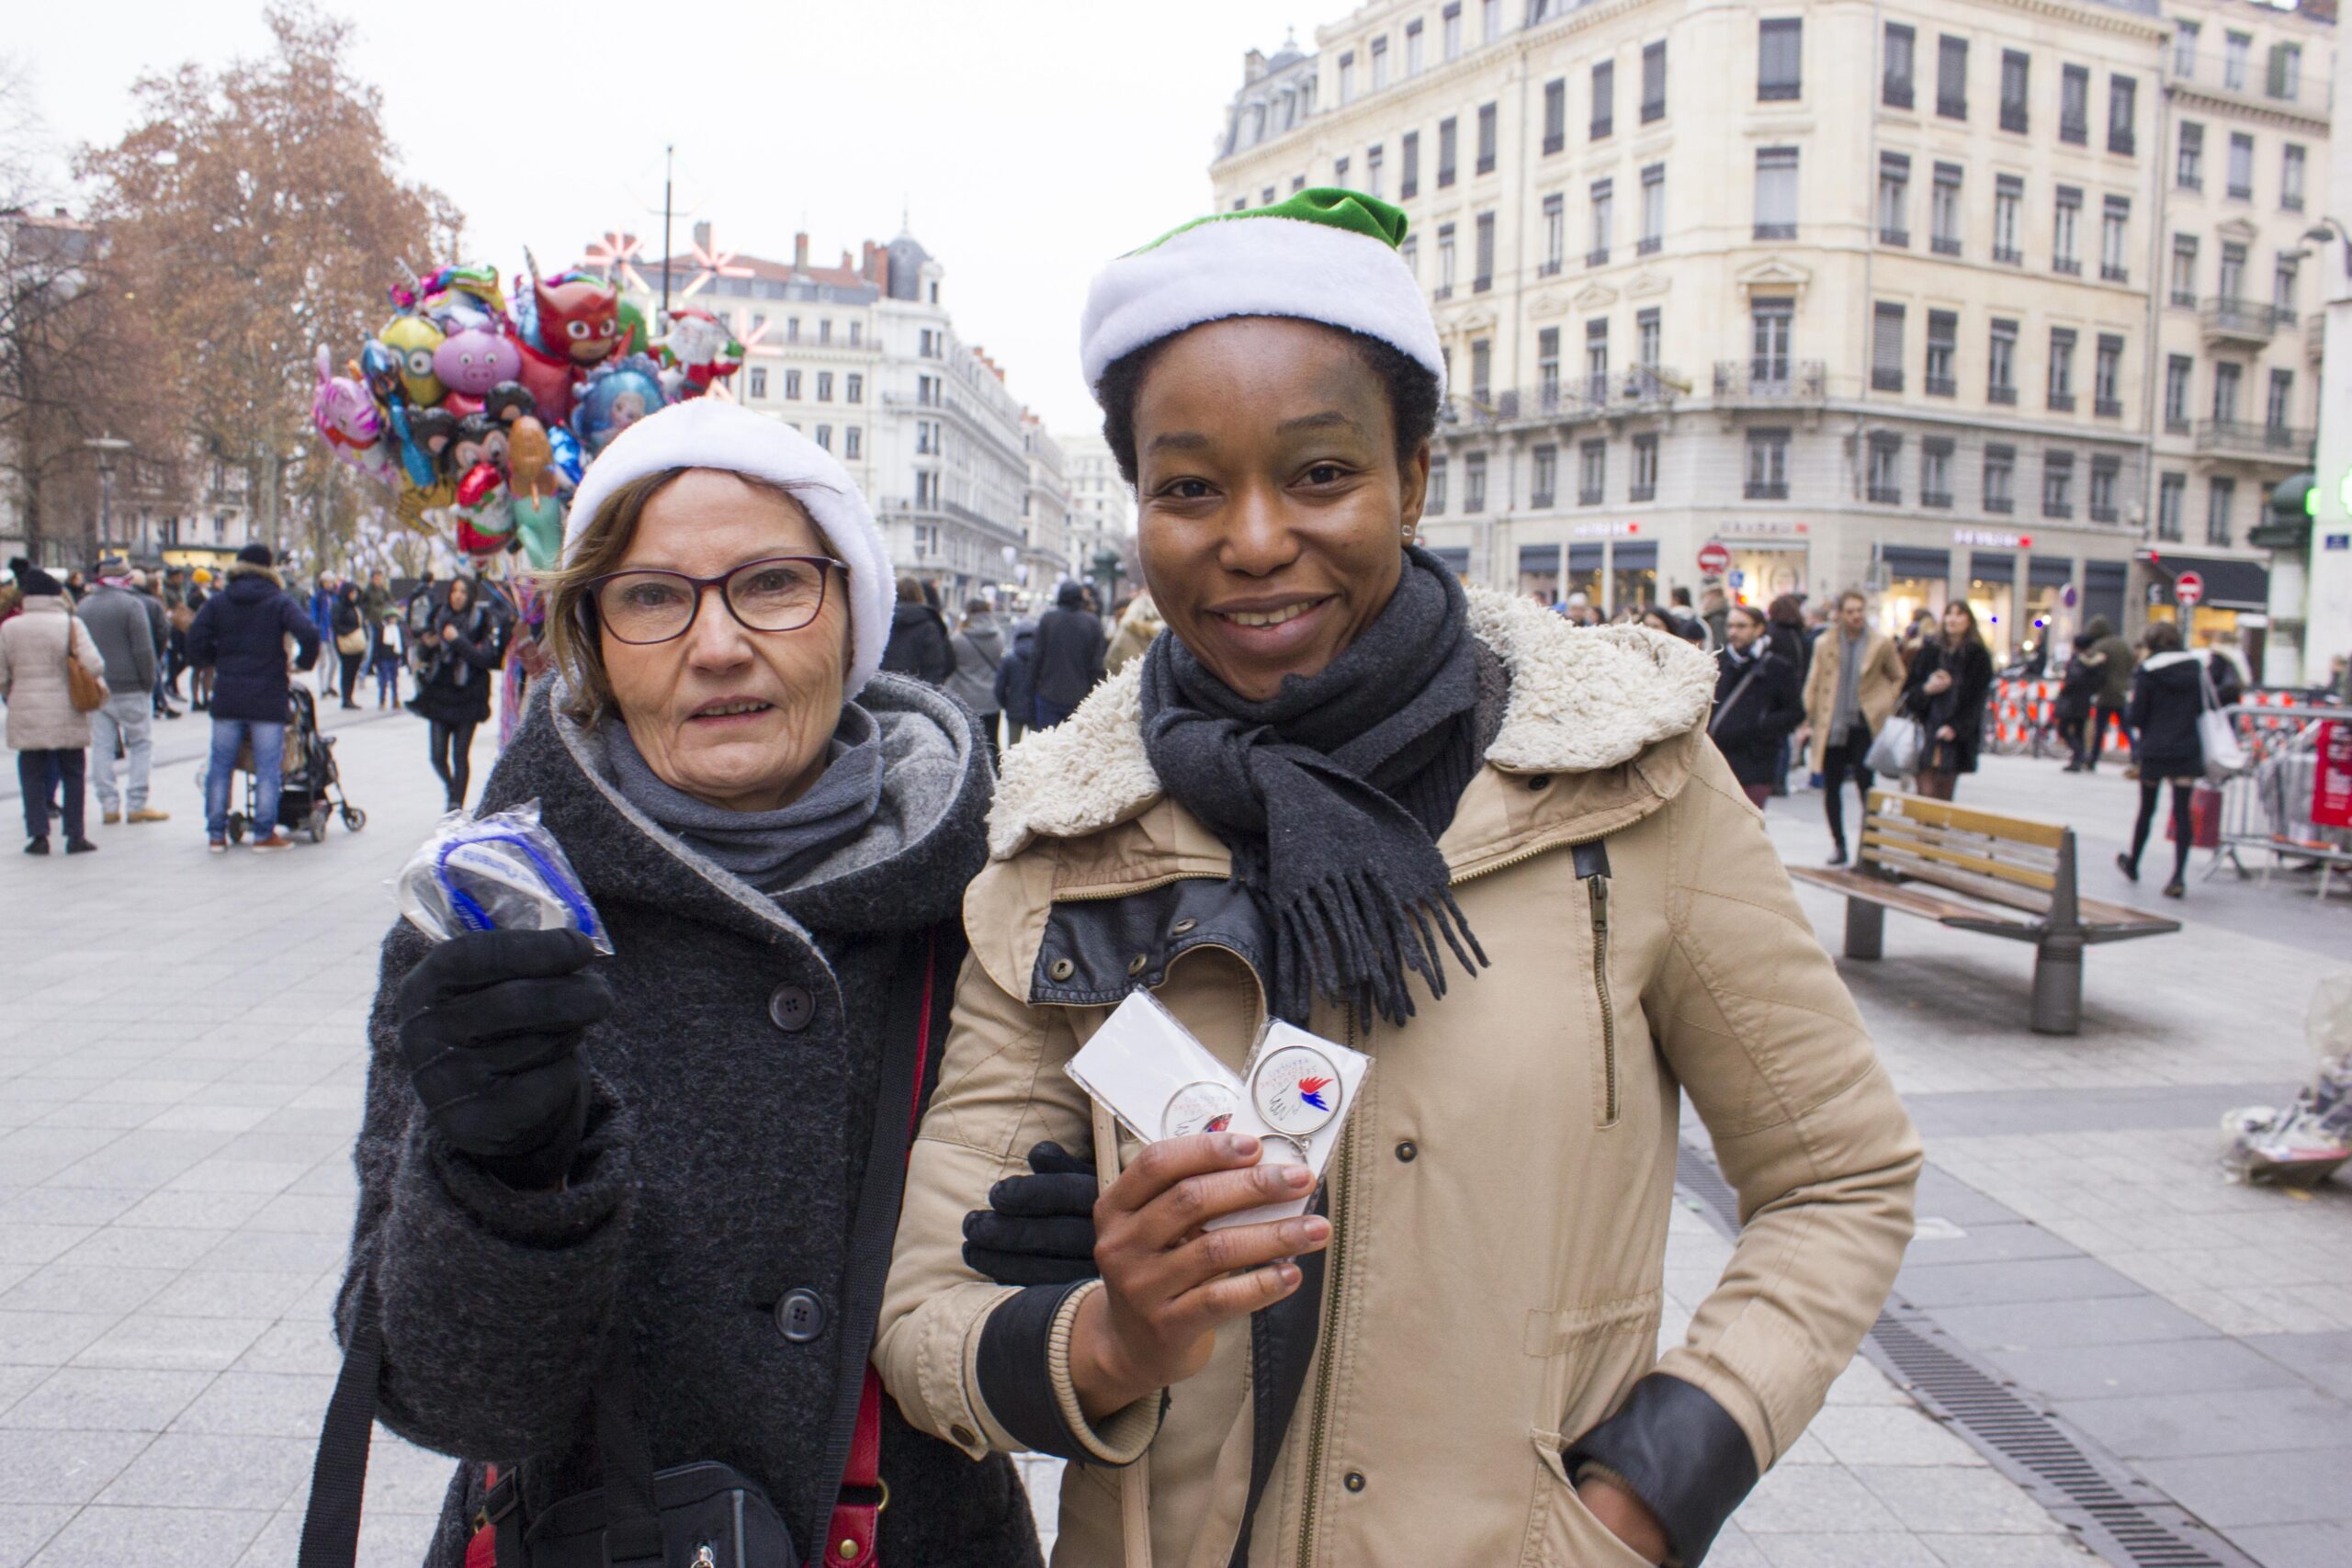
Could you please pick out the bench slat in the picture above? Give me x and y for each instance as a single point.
(1924, 847)
(1965, 883)
(1896, 896)
(1943, 813)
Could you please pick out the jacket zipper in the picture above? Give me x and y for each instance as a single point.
(1335, 1267)
(1599, 896)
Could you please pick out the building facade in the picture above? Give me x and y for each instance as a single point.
(1048, 555)
(1702, 279)
(1101, 504)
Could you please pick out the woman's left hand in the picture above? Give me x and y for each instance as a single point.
(1945, 733)
(1625, 1517)
(449, 633)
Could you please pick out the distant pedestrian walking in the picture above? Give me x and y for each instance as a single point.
(918, 644)
(1951, 674)
(350, 627)
(2078, 690)
(1851, 686)
(2115, 666)
(1067, 661)
(1016, 682)
(122, 625)
(978, 646)
(384, 658)
(2167, 694)
(1757, 704)
(47, 729)
(240, 636)
(461, 647)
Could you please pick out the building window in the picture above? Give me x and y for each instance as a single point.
(2058, 484)
(1935, 471)
(1409, 253)
(1544, 483)
(1379, 64)
(2171, 490)
(1895, 75)
(1547, 367)
(2241, 166)
(1886, 348)
(2100, 502)
(853, 441)
(792, 386)
(2279, 411)
(2065, 233)
(2061, 369)
(2122, 115)
(2001, 364)
(1596, 360)
(2115, 225)
(1453, 23)
(1486, 138)
(1445, 261)
(759, 381)
(2290, 177)
(2188, 161)
(2183, 270)
(824, 386)
(1483, 278)
(1776, 193)
(2074, 104)
(1653, 81)
(2285, 70)
(1885, 479)
(1943, 349)
(2236, 49)
(1779, 63)
(1490, 17)
(1648, 334)
(2016, 67)
(792, 329)
(1652, 238)
(1943, 210)
(2283, 275)
(2000, 478)
(1413, 47)
(1433, 502)
(1373, 172)
(2231, 284)
(2226, 379)
(1605, 98)
(1409, 166)
(2184, 49)
(1604, 212)
(1348, 77)
(1447, 140)
(2008, 203)
(2178, 368)
(2107, 377)
(856, 334)
(2219, 495)
(1555, 235)
(1768, 465)
(1592, 472)
(1339, 171)
(1474, 483)
(1894, 199)
(825, 437)
(1771, 324)
(1951, 77)
(1482, 370)
(1555, 114)
(1643, 486)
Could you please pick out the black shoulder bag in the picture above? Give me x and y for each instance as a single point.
(703, 1515)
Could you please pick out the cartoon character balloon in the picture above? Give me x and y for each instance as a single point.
(615, 397)
(415, 339)
(578, 318)
(699, 351)
(475, 360)
(343, 413)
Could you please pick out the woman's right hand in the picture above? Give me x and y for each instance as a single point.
(1169, 1283)
(491, 1025)
(1937, 683)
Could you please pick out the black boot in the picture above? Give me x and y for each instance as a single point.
(36, 846)
(80, 847)
(1837, 852)
(2127, 866)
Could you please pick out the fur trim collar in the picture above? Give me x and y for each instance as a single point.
(238, 568)
(1580, 700)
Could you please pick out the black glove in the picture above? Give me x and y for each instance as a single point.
(490, 1025)
(1037, 1229)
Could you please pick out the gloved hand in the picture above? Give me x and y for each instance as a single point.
(1037, 1229)
(491, 1025)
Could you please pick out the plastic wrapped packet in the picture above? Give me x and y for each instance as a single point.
(503, 872)
(2302, 1144)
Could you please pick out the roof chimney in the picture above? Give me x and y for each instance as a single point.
(702, 234)
(800, 252)
(1253, 65)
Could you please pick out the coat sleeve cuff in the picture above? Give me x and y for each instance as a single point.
(1024, 1376)
(1681, 1453)
(557, 1217)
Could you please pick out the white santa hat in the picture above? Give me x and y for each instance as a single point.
(711, 432)
(1326, 255)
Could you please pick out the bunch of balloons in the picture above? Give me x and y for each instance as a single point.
(482, 419)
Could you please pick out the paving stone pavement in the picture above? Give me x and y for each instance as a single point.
(180, 1071)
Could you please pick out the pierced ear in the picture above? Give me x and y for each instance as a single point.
(1413, 491)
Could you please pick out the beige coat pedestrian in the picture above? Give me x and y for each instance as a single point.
(1878, 689)
(1500, 1197)
(42, 715)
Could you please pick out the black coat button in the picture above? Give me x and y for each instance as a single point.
(1539, 781)
(792, 1007)
(1354, 1480)
(800, 1316)
(1409, 1151)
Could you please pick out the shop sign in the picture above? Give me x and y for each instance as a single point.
(1768, 528)
(1605, 530)
(2336, 542)
(2332, 786)
(1992, 539)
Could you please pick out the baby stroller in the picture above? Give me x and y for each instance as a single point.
(312, 790)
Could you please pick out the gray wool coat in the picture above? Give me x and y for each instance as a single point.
(735, 1088)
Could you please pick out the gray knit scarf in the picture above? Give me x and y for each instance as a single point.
(1332, 794)
(770, 849)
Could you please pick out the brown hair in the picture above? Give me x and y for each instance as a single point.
(569, 630)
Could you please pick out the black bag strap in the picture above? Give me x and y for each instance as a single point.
(632, 1522)
(339, 1472)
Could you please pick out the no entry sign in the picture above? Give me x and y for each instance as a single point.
(1714, 558)
(2188, 588)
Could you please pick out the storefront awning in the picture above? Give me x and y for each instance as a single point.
(1539, 558)
(2229, 583)
(1992, 566)
(1585, 557)
(2050, 571)
(1636, 557)
(1904, 560)
(1456, 558)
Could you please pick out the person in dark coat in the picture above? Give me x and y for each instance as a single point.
(240, 635)
(672, 1147)
(350, 629)
(1016, 680)
(461, 646)
(1757, 704)
(2167, 696)
(2115, 665)
(1067, 659)
(919, 640)
(1951, 676)
(2078, 689)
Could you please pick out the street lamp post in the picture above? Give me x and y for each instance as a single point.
(105, 449)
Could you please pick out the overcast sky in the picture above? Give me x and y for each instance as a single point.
(1028, 140)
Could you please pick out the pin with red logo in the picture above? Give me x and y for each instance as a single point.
(1296, 1090)
(1199, 1108)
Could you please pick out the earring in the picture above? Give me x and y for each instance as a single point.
(1407, 532)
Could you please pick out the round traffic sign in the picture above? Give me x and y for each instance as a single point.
(1714, 558)
(2188, 588)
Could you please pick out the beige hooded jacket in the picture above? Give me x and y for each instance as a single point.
(1491, 1293)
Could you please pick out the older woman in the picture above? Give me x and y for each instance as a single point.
(637, 1208)
(1494, 851)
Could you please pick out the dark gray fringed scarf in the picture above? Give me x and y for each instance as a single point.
(1332, 795)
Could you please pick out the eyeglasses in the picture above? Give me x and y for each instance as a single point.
(775, 594)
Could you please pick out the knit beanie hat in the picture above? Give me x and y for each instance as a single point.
(33, 582)
(255, 554)
(709, 433)
(1325, 254)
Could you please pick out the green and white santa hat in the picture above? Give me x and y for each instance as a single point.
(1326, 255)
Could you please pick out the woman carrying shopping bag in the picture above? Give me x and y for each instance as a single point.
(2168, 704)
(1951, 674)
(48, 719)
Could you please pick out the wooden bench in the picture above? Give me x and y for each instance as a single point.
(2015, 878)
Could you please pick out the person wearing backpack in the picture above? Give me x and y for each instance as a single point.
(48, 727)
(979, 646)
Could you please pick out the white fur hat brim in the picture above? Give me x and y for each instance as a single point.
(1257, 265)
(709, 433)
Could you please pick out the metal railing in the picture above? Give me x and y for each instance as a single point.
(2247, 320)
(2243, 435)
(1771, 381)
(1640, 389)
(2269, 805)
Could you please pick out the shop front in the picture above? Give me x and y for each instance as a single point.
(1770, 556)
(2104, 582)
(1539, 573)
(2049, 614)
(1586, 565)
(1632, 573)
(2231, 607)
(1992, 594)
(1916, 580)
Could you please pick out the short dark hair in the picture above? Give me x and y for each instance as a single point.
(1411, 388)
(2161, 636)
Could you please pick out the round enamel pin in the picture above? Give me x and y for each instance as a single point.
(1296, 1089)
(1198, 1107)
